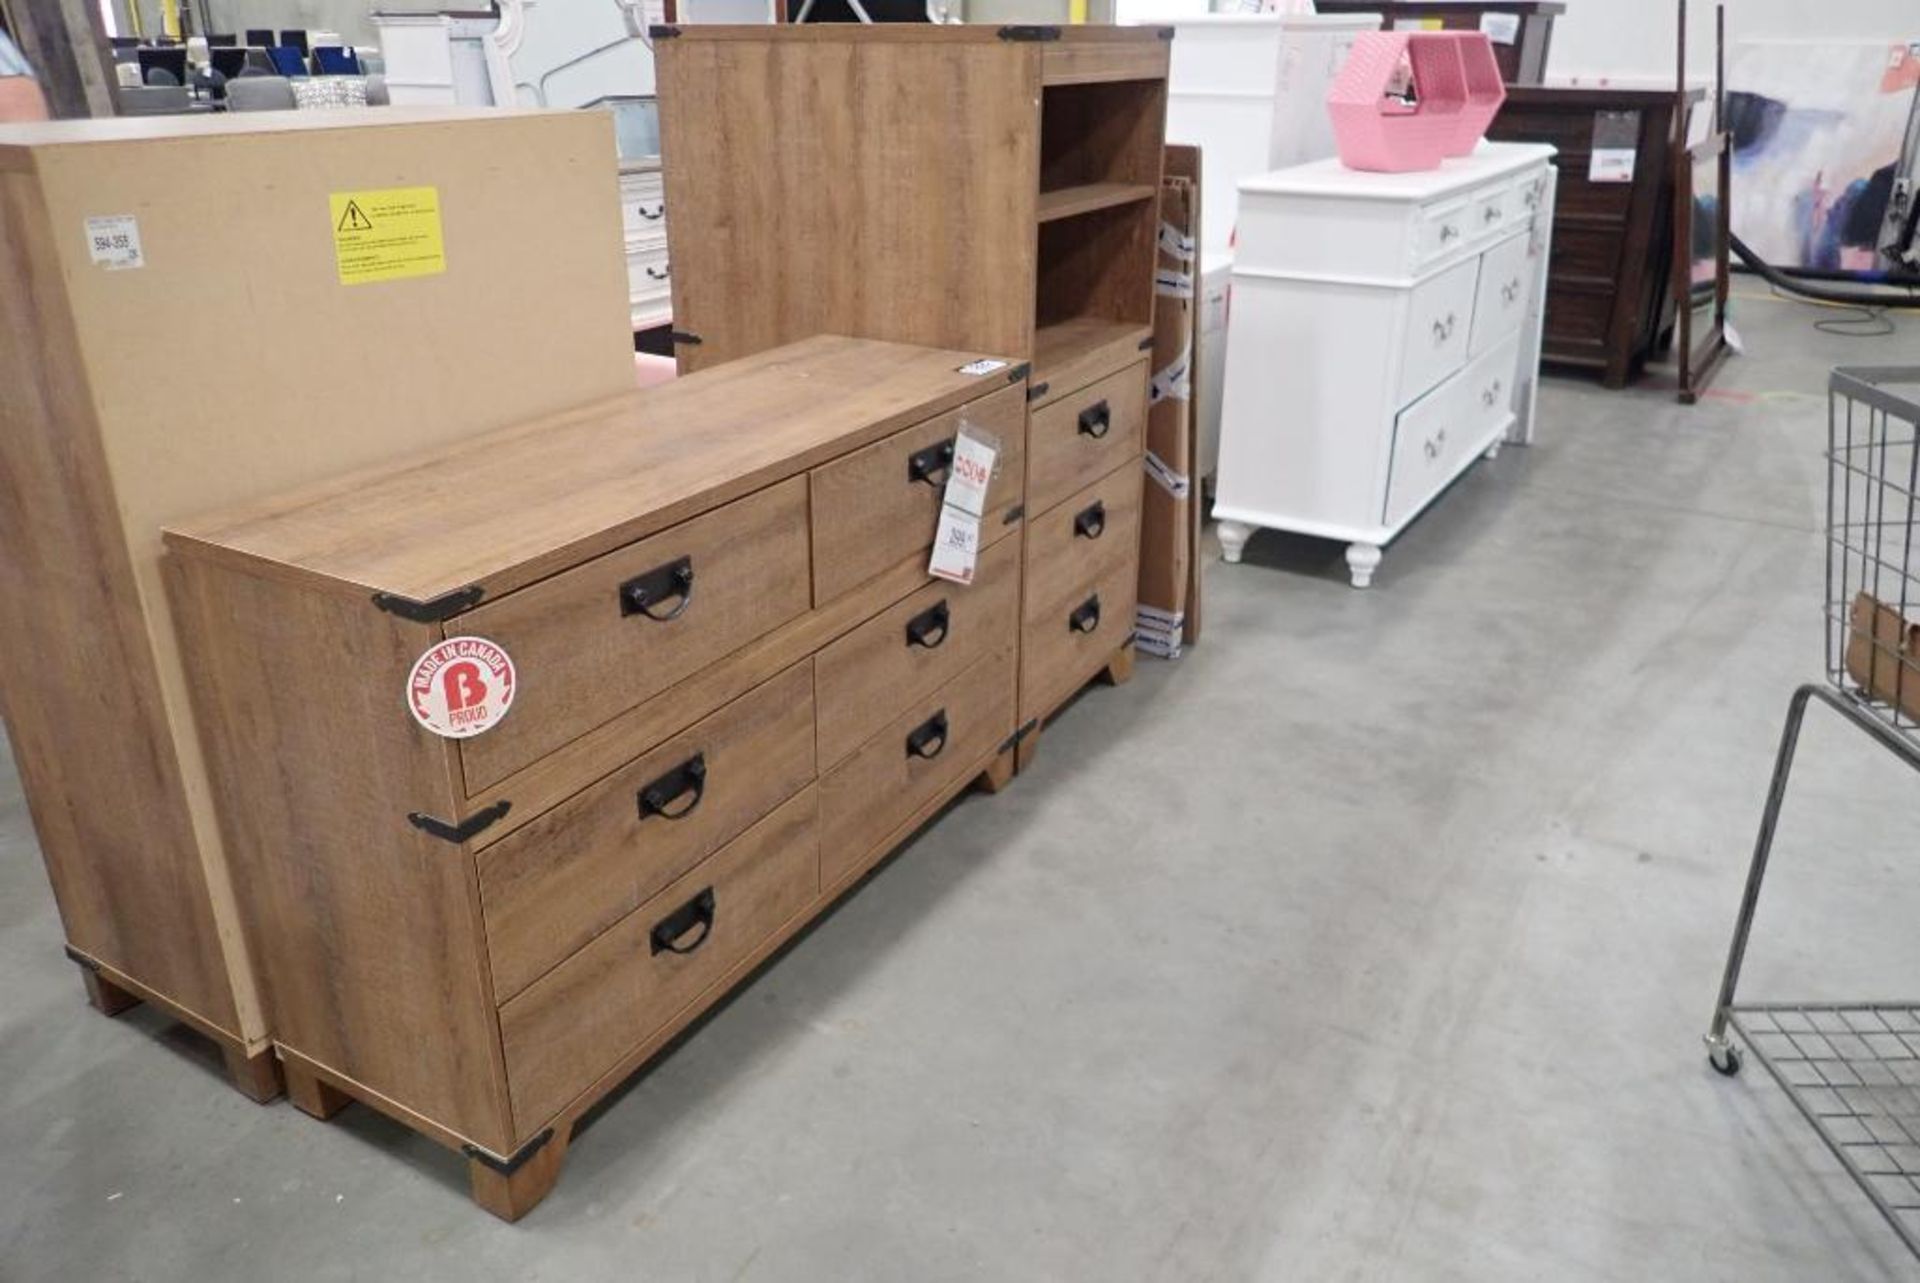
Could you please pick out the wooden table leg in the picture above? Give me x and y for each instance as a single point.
(312, 1096)
(1119, 669)
(106, 997)
(511, 1194)
(999, 773)
(257, 1076)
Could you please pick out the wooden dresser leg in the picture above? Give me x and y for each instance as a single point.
(310, 1095)
(104, 996)
(999, 773)
(513, 1193)
(1026, 750)
(1120, 668)
(257, 1077)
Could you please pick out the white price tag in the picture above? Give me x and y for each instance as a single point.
(956, 546)
(113, 242)
(973, 454)
(1611, 165)
(1501, 28)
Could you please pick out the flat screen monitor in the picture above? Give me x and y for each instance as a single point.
(228, 60)
(262, 37)
(172, 60)
(295, 40)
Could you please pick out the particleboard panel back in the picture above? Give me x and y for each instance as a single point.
(367, 930)
(77, 680)
(842, 183)
(234, 363)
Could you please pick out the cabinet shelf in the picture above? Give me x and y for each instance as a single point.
(1072, 353)
(1066, 202)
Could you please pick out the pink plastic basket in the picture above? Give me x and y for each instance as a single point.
(1485, 89)
(1387, 134)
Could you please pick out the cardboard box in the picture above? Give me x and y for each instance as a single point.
(1167, 617)
(1883, 654)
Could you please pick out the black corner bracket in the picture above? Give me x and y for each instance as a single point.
(1029, 33)
(1037, 391)
(685, 337)
(514, 1162)
(661, 31)
(1014, 514)
(442, 607)
(463, 831)
(1146, 344)
(1019, 372)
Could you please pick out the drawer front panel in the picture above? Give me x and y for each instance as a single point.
(879, 505)
(1084, 435)
(1075, 544)
(1526, 196)
(1491, 216)
(928, 748)
(1439, 324)
(1506, 288)
(1592, 253)
(601, 638)
(577, 1022)
(551, 887)
(1060, 651)
(911, 650)
(1441, 230)
(1433, 438)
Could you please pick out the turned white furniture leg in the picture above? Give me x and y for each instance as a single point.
(1493, 451)
(1233, 539)
(1362, 560)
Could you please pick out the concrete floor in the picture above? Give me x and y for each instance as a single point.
(1373, 940)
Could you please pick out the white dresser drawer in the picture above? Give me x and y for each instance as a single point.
(1490, 215)
(1506, 288)
(1436, 437)
(1439, 324)
(648, 274)
(1440, 230)
(1526, 196)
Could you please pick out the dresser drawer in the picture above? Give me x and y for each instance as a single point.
(1439, 325)
(927, 749)
(919, 645)
(1490, 216)
(1526, 196)
(1433, 439)
(1061, 648)
(1083, 435)
(577, 1021)
(597, 640)
(1505, 290)
(550, 887)
(879, 505)
(1075, 544)
(1440, 230)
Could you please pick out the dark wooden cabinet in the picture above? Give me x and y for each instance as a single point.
(1607, 297)
(1523, 60)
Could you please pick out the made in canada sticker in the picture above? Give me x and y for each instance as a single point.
(461, 687)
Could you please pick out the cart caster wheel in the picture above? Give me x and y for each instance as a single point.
(1725, 1060)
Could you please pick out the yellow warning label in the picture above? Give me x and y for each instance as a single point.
(387, 235)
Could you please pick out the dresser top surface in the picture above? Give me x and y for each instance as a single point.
(511, 506)
(1332, 178)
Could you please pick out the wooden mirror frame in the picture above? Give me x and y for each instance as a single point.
(1700, 355)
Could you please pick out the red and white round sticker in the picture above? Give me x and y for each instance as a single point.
(461, 687)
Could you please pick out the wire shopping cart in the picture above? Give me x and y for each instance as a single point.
(1853, 1069)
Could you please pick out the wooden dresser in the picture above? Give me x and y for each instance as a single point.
(204, 351)
(1609, 296)
(735, 689)
(1384, 335)
(968, 187)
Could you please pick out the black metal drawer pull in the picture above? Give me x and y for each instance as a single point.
(669, 933)
(1086, 616)
(653, 215)
(931, 464)
(688, 780)
(1096, 419)
(929, 627)
(929, 738)
(1092, 522)
(643, 594)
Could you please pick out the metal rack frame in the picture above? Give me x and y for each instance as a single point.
(1852, 1068)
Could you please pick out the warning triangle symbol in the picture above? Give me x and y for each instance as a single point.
(353, 220)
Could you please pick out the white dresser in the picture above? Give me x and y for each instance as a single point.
(1384, 334)
(643, 212)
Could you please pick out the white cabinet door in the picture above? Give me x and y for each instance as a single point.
(1439, 323)
(1506, 288)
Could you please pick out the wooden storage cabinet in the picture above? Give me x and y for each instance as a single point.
(232, 361)
(1027, 223)
(483, 953)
